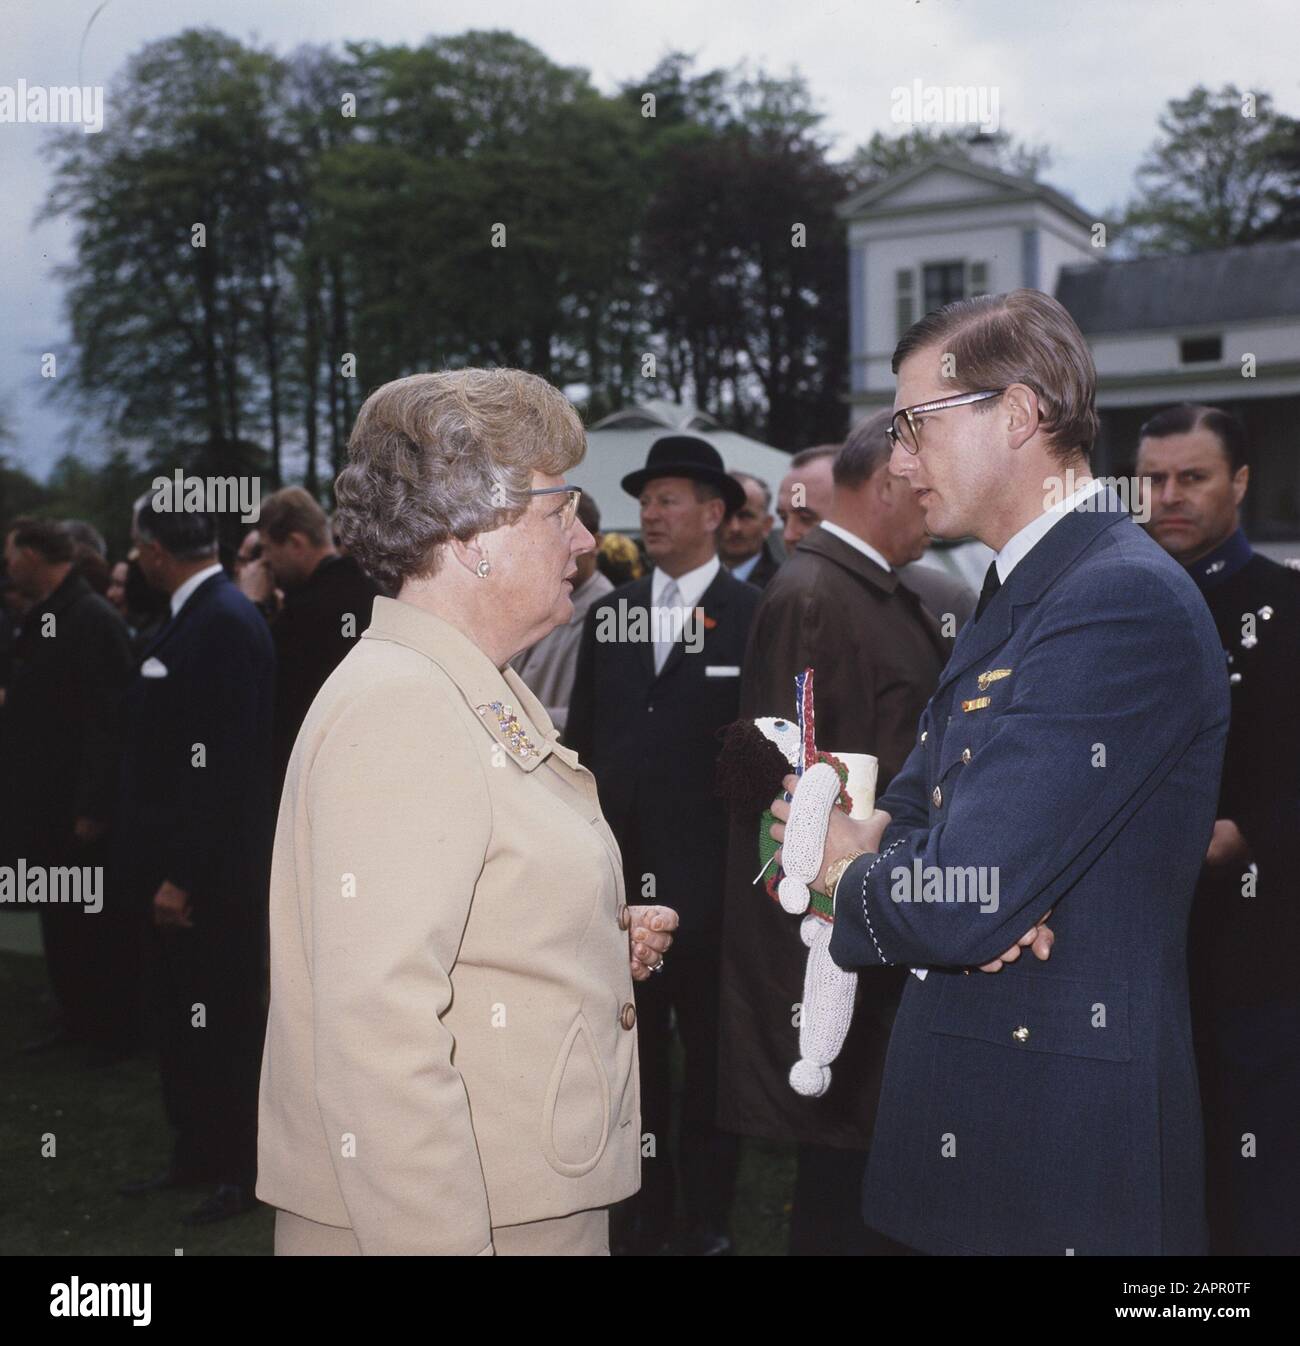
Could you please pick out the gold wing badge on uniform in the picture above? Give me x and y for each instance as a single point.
(988, 676)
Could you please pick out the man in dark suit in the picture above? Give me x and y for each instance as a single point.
(658, 677)
(744, 544)
(1245, 935)
(327, 603)
(72, 661)
(196, 833)
(1068, 762)
(840, 607)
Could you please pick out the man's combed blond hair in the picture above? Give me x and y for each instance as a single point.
(448, 455)
(1026, 337)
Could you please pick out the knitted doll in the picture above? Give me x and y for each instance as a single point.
(756, 755)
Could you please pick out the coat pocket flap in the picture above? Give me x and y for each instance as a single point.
(1031, 1012)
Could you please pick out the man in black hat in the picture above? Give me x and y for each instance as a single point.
(658, 677)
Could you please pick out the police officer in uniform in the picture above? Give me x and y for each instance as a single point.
(1245, 928)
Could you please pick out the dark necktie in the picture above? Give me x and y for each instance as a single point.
(991, 585)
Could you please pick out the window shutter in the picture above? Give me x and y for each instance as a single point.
(903, 285)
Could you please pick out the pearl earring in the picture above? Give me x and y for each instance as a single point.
(481, 570)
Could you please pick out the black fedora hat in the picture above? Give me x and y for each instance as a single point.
(686, 456)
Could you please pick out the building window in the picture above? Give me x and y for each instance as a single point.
(944, 283)
(903, 289)
(1200, 350)
(979, 279)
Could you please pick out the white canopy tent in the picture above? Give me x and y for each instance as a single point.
(619, 444)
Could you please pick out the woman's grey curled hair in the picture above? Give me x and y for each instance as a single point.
(447, 455)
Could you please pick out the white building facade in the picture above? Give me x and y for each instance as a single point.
(1219, 327)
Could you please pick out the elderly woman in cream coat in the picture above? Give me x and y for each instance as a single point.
(451, 1059)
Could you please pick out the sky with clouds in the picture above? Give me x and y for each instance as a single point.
(1089, 79)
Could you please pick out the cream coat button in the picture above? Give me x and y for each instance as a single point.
(624, 917)
(965, 754)
(937, 796)
(628, 1017)
(1021, 1034)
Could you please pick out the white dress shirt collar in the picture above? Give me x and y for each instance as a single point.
(1020, 544)
(691, 585)
(746, 568)
(182, 595)
(855, 541)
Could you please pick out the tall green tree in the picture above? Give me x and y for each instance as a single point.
(1215, 177)
(20, 493)
(174, 296)
(317, 117)
(743, 260)
(1284, 221)
(486, 210)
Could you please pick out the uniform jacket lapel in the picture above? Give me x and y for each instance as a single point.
(169, 628)
(1031, 578)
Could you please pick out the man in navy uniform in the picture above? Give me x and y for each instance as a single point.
(1245, 934)
(1068, 763)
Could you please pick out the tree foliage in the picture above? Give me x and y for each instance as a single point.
(1217, 176)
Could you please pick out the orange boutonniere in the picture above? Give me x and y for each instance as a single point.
(709, 622)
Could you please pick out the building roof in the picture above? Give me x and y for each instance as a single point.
(619, 443)
(1261, 280)
(659, 413)
(873, 199)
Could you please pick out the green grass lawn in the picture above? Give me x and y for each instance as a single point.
(108, 1128)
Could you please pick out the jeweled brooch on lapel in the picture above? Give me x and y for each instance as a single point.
(510, 727)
